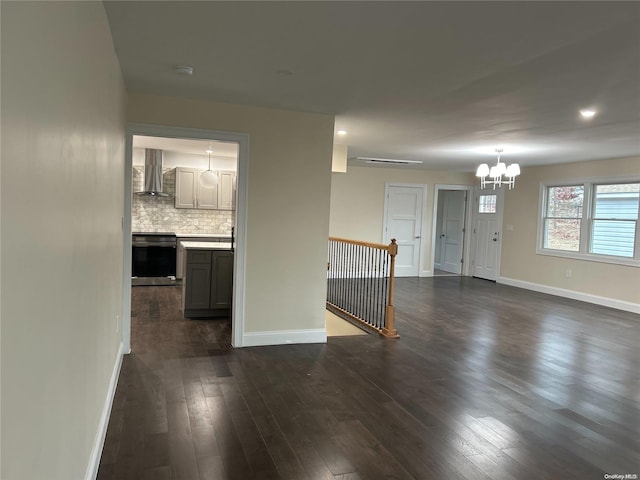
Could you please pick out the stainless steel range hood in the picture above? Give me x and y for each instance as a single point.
(153, 174)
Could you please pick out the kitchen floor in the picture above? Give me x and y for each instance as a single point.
(158, 327)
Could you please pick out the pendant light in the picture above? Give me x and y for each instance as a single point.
(209, 178)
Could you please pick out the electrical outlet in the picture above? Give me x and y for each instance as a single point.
(568, 273)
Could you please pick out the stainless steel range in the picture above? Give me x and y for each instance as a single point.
(153, 260)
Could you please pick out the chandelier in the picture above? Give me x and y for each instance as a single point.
(499, 174)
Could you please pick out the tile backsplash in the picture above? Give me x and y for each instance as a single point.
(158, 214)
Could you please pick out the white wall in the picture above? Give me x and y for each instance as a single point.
(62, 201)
(519, 260)
(357, 201)
(289, 184)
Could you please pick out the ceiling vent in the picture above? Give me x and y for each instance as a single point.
(389, 161)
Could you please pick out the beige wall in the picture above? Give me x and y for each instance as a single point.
(62, 200)
(357, 200)
(519, 259)
(288, 203)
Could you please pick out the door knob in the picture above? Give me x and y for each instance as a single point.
(418, 236)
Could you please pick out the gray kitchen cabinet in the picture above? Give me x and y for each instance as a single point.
(208, 283)
(207, 197)
(180, 257)
(190, 193)
(186, 187)
(198, 285)
(226, 190)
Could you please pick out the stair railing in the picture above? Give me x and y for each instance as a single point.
(360, 283)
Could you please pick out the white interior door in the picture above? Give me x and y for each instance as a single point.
(487, 233)
(452, 236)
(403, 221)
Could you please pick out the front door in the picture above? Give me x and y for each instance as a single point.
(403, 214)
(452, 231)
(487, 233)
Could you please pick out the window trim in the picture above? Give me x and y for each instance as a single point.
(586, 222)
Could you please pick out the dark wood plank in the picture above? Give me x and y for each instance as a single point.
(487, 382)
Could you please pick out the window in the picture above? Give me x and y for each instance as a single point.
(615, 218)
(592, 220)
(563, 217)
(487, 203)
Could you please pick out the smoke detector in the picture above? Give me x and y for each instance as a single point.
(183, 70)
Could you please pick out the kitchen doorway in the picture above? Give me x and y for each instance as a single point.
(451, 217)
(177, 142)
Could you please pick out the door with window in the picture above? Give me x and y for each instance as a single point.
(403, 221)
(487, 233)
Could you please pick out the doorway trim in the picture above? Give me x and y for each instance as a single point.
(466, 247)
(239, 269)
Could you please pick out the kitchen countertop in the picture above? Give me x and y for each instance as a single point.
(206, 245)
(168, 234)
(187, 235)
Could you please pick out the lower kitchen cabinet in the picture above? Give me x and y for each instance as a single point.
(208, 283)
(180, 257)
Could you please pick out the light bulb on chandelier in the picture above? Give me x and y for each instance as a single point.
(209, 178)
(500, 173)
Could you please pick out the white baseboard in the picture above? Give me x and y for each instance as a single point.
(98, 444)
(583, 297)
(283, 337)
(426, 273)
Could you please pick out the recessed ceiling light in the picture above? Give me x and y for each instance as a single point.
(588, 113)
(183, 70)
(341, 132)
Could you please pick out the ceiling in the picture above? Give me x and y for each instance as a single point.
(445, 83)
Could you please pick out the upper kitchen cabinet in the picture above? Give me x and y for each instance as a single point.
(186, 187)
(226, 190)
(190, 193)
(207, 196)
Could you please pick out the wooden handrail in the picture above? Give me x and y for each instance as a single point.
(379, 246)
(388, 330)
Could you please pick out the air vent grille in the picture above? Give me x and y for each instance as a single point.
(390, 161)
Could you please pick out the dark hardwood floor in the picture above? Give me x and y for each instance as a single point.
(486, 382)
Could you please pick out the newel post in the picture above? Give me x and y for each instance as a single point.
(389, 329)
